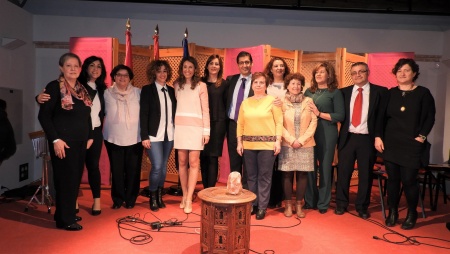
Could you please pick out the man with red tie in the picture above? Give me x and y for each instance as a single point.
(364, 109)
(239, 89)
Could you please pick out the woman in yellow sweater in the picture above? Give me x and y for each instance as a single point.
(259, 129)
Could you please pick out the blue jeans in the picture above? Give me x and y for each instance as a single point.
(159, 155)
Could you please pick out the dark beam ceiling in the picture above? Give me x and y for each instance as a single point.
(420, 7)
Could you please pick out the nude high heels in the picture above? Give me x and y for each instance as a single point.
(183, 203)
(188, 206)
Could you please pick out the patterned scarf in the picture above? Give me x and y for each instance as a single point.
(122, 96)
(78, 91)
(294, 98)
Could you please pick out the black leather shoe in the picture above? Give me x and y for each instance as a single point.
(116, 206)
(159, 199)
(78, 218)
(392, 218)
(153, 201)
(129, 206)
(73, 227)
(261, 214)
(322, 211)
(307, 206)
(254, 210)
(410, 220)
(364, 214)
(340, 210)
(95, 212)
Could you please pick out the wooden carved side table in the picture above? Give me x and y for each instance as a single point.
(225, 220)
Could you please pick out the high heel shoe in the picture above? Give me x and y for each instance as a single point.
(183, 203)
(95, 212)
(410, 221)
(392, 217)
(188, 207)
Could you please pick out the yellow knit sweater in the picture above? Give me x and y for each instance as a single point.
(260, 119)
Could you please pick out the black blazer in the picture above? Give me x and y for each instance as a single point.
(232, 81)
(92, 94)
(377, 104)
(150, 110)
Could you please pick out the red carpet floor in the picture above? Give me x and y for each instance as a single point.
(35, 232)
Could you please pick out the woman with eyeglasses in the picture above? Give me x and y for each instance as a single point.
(122, 137)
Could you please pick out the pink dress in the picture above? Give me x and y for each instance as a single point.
(191, 117)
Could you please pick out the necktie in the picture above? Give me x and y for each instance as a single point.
(165, 104)
(357, 108)
(239, 99)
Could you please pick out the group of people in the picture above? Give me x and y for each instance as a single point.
(266, 118)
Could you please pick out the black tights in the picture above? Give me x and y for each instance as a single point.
(407, 177)
(209, 166)
(302, 180)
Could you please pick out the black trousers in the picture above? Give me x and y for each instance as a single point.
(92, 162)
(236, 161)
(402, 176)
(67, 174)
(126, 172)
(361, 149)
(276, 187)
(209, 166)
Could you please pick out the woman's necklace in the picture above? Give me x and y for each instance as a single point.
(404, 93)
(319, 92)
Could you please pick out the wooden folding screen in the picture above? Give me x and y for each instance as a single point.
(297, 60)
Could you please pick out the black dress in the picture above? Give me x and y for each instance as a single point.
(217, 97)
(408, 115)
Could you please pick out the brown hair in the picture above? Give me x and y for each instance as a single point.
(332, 82)
(268, 69)
(181, 80)
(258, 75)
(292, 76)
(154, 66)
(206, 71)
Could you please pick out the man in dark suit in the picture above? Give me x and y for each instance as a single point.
(364, 103)
(239, 89)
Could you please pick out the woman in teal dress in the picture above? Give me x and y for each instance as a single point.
(328, 105)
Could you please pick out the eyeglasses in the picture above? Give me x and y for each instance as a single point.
(354, 73)
(244, 62)
(122, 75)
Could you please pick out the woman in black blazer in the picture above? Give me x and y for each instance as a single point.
(217, 96)
(157, 114)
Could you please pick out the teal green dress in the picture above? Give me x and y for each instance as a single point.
(326, 137)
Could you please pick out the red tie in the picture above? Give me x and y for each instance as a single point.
(357, 108)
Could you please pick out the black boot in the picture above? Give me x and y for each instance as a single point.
(410, 221)
(159, 200)
(153, 203)
(392, 218)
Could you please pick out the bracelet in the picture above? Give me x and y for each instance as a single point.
(422, 137)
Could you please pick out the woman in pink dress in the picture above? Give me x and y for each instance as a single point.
(191, 126)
